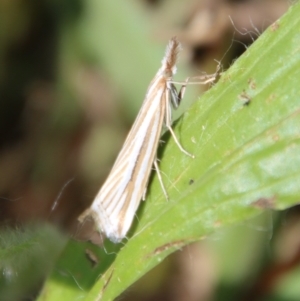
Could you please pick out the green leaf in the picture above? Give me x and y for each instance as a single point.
(22, 258)
(245, 136)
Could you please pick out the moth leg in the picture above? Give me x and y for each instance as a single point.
(176, 97)
(181, 92)
(178, 144)
(168, 120)
(160, 179)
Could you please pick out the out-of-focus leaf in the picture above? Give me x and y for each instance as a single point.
(26, 256)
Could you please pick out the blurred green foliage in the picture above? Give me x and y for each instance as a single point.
(244, 133)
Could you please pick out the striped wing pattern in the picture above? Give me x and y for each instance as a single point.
(117, 201)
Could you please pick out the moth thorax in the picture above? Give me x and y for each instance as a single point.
(168, 73)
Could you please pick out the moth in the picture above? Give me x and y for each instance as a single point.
(115, 205)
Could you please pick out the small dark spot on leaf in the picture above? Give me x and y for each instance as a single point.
(274, 26)
(264, 203)
(92, 257)
(191, 182)
(105, 286)
(247, 103)
(270, 98)
(251, 83)
(245, 98)
(175, 244)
